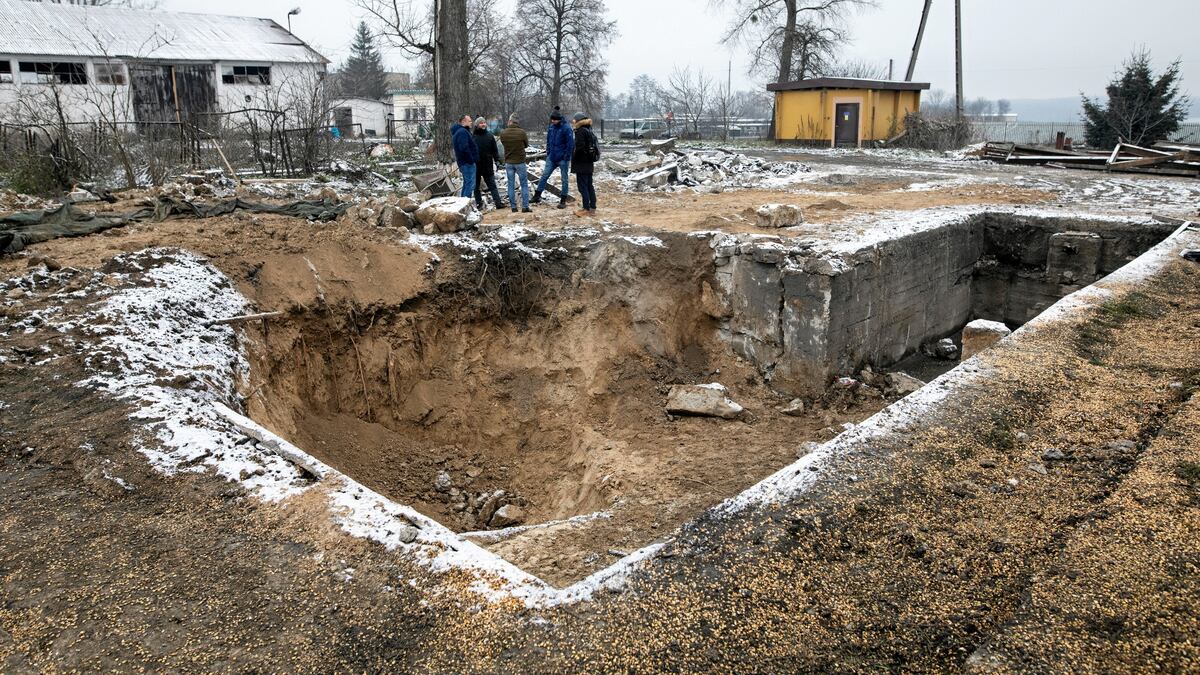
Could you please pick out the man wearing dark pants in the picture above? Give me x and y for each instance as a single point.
(560, 143)
(583, 161)
(465, 154)
(485, 168)
(515, 141)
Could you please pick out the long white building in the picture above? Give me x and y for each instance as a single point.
(149, 66)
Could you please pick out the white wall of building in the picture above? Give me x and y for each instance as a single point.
(291, 85)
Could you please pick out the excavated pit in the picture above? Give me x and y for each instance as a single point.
(520, 399)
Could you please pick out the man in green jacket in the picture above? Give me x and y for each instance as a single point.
(515, 141)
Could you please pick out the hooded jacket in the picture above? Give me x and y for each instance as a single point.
(465, 151)
(560, 142)
(485, 142)
(587, 148)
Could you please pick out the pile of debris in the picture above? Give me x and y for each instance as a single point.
(478, 510)
(704, 170)
(402, 213)
(1166, 159)
(16, 201)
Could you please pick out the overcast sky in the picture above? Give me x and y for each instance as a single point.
(1011, 48)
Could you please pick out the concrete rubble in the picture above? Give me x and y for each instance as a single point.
(707, 400)
(779, 215)
(981, 334)
(704, 170)
(447, 214)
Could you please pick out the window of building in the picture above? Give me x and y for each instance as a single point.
(6, 74)
(110, 73)
(52, 72)
(246, 74)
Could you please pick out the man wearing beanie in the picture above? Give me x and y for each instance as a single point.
(583, 161)
(515, 141)
(560, 144)
(489, 158)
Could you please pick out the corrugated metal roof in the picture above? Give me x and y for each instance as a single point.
(47, 29)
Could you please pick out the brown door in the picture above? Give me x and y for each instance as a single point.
(845, 128)
(171, 93)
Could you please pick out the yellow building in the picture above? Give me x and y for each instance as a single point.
(843, 111)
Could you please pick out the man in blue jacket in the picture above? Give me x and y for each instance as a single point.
(560, 145)
(466, 154)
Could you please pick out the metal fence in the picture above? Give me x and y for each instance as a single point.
(1044, 133)
(248, 142)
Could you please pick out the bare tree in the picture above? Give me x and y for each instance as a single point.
(789, 39)
(856, 68)
(687, 93)
(560, 48)
(435, 30)
(729, 106)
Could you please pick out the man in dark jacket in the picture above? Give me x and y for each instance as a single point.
(466, 155)
(489, 159)
(515, 141)
(583, 161)
(560, 144)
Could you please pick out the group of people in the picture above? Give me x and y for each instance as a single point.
(570, 148)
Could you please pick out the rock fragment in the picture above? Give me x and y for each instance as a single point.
(708, 400)
(448, 214)
(779, 215)
(981, 334)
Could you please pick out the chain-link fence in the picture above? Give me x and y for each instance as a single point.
(1044, 133)
(252, 142)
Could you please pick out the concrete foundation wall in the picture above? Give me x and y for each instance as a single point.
(804, 315)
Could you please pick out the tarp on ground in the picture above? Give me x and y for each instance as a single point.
(30, 227)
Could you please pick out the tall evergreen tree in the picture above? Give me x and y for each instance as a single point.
(363, 74)
(1141, 108)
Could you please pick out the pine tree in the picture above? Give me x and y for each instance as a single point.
(1141, 108)
(363, 74)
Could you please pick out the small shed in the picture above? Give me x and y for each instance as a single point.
(841, 111)
(370, 115)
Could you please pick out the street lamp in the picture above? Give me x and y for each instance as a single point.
(295, 11)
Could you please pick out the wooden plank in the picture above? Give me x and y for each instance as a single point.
(243, 318)
(1145, 161)
(535, 176)
(1115, 153)
(272, 442)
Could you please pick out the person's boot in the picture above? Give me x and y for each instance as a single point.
(537, 197)
(514, 208)
(582, 212)
(526, 210)
(562, 203)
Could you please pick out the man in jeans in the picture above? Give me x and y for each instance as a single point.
(465, 154)
(560, 143)
(515, 141)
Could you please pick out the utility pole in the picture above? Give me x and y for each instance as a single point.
(912, 61)
(958, 89)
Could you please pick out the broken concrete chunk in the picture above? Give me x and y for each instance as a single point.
(981, 334)
(507, 516)
(448, 214)
(407, 534)
(409, 203)
(794, 409)
(903, 383)
(709, 400)
(779, 215)
(942, 349)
